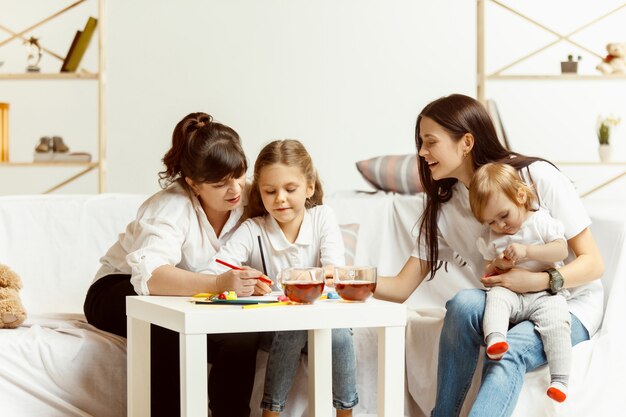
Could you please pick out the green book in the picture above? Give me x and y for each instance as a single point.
(73, 60)
(70, 51)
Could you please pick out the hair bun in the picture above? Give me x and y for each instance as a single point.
(203, 120)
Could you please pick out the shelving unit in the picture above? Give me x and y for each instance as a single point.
(483, 76)
(499, 75)
(99, 160)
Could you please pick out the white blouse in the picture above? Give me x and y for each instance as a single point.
(319, 243)
(171, 228)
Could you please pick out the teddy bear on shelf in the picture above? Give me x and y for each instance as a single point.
(615, 61)
(12, 312)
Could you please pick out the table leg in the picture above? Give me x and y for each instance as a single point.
(193, 375)
(138, 367)
(320, 373)
(391, 371)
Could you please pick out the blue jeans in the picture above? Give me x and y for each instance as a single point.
(459, 347)
(283, 360)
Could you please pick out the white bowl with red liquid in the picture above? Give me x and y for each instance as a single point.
(355, 283)
(302, 285)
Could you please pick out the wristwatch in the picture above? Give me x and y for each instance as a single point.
(556, 280)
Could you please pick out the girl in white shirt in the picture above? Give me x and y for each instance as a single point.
(174, 237)
(295, 230)
(455, 136)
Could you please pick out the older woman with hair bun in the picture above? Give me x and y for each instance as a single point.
(174, 236)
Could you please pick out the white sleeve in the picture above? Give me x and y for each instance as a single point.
(155, 242)
(558, 195)
(550, 229)
(331, 242)
(446, 254)
(237, 250)
(487, 250)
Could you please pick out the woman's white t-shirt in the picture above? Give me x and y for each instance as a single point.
(171, 228)
(319, 243)
(458, 231)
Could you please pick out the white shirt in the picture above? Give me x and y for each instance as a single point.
(538, 229)
(319, 243)
(458, 230)
(171, 228)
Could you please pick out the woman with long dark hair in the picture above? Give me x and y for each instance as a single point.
(454, 137)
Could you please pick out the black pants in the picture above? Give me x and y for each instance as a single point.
(233, 356)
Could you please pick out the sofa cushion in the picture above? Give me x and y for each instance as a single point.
(393, 173)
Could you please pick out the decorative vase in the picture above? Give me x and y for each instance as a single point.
(604, 150)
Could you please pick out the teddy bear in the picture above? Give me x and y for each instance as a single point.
(12, 312)
(615, 61)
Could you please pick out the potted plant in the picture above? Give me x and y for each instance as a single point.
(604, 128)
(571, 65)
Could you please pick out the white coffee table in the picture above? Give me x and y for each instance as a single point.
(193, 322)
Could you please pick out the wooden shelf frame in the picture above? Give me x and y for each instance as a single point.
(21, 34)
(483, 76)
(600, 186)
(100, 77)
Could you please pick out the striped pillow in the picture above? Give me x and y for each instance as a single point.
(394, 173)
(349, 232)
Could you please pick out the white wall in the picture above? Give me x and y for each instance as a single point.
(347, 77)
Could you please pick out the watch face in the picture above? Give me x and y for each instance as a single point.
(556, 280)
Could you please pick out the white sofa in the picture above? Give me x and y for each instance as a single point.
(57, 365)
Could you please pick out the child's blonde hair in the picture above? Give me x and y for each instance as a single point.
(493, 178)
(289, 152)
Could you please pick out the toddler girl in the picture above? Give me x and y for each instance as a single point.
(523, 237)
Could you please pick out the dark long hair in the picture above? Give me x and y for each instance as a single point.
(457, 115)
(204, 151)
(289, 152)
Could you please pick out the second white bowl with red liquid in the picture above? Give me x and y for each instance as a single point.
(355, 283)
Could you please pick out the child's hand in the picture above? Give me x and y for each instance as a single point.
(262, 288)
(329, 271)
(241, 281)
(515, 252)
(503, 263)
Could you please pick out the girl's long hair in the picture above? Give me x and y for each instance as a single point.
(457, 114)
(289, 152)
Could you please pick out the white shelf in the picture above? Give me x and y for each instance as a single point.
(48, 164)
(49, 76)
(557, 77)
